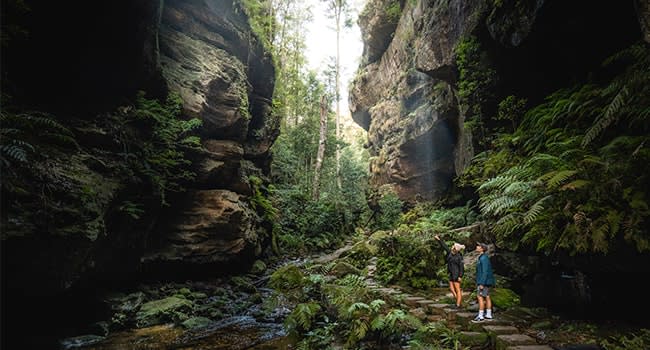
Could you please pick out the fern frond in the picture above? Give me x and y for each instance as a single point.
(559, 177)
(376, 304)
(499, 205)
(535, 210)
(610, 116)
(377, 323)
(508, 224)
(519, 188)
(356, 307)
(498, 183)
(575, 184)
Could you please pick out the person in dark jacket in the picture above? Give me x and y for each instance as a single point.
(484, 280)
(455, 268)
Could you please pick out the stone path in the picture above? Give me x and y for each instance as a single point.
(500, 334)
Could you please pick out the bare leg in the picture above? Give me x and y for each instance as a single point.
(488, 302)
(459, 293)
(481, 304)
(451, 288)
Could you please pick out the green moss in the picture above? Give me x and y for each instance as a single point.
(264, 207)
(243, 284)
(196, 322)
(476, 81)
(258, 267)
(504, 298)
(394, 11)
(286, 278)
(341, 269)
(170, 309)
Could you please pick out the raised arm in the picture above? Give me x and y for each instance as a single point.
(442, 244)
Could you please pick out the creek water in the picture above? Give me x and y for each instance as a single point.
(238, 332)
(257, 327)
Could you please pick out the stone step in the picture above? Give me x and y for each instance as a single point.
(419, 313)
(437, 308)
(412, 301)
(529, 347)
(386, 290)
(504, 341)
(435, 318)
(498, 329)
(425, 303)
(474, 338)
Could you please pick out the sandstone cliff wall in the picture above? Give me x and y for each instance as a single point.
(406, 93)
(85, 218)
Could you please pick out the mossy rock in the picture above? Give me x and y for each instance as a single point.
(171, 309)
(258, 267)
(243, 284)
(196, 322)
(504, 298)
(185, 291)
(286, 278)
(341, 269)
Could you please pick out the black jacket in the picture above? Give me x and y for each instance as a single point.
(455, 265)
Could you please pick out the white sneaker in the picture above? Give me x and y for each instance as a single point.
(478, 319)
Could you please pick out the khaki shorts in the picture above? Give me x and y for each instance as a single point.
(485, 292)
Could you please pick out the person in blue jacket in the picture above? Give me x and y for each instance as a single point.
(484, 280)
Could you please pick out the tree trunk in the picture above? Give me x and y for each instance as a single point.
(338, 96)
(321, 148)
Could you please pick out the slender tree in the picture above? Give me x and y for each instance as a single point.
(321, 148)
(338, 9)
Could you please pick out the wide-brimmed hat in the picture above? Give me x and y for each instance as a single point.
(458, 247)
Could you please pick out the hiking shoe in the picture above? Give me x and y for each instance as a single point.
(488, 318)
(478, 319)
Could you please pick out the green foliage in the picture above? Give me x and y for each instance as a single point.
(260, 17)
(475, 84)
(436, 335)
(286, 278)
(390, 210)
(158, 152)
(638, 340)
(302, 317)
(511, 109)
(394, 11)
(573, 175)
(134, 210)
(29, 134)
(410, 256)
(409, 259)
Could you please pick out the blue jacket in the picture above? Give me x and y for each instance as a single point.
(484, 275)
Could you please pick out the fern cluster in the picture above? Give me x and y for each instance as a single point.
(155, 141)
(23, 135)
(329, 309)
(574, 174)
